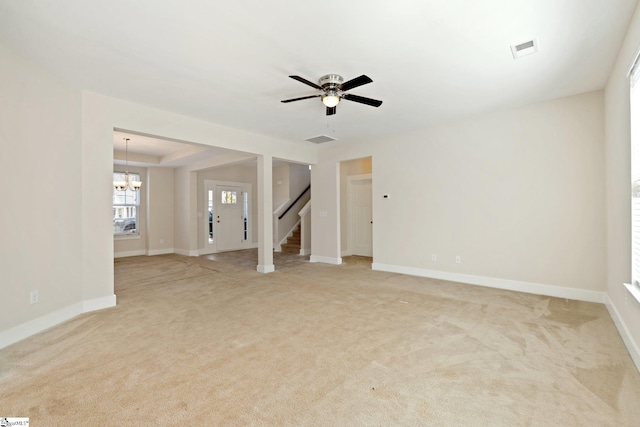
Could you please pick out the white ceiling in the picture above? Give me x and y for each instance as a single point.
(145, 150)
(228, 62)
(145, 144)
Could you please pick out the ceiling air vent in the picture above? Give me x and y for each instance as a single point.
(320, 139)
(524, 49)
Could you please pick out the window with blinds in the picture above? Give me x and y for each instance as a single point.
(635, 172)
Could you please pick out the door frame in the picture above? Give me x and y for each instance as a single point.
(211, 248)
(350, 182)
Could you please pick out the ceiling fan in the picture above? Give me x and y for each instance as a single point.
(333, 89)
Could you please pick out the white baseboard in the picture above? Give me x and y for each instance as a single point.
(96, 304)
(160, 251)
(192, 252)
(266, 268)
(166, 251)
(305, 251)
(325, 260)
(632, 346)
(129, 253)
(512, 285)
(32, 327)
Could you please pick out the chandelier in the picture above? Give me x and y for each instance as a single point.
(127, 184)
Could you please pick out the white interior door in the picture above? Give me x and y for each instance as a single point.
(229, 218)
(361, 217)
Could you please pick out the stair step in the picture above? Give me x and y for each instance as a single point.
(293, 242)
(290, 249)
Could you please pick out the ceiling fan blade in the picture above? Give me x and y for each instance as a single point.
(305, 81)
(301, 98)
(358, 81)
(362, 100)
(331, 111)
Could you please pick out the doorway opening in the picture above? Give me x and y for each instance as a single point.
(356, 208)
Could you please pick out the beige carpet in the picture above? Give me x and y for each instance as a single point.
(201, 343)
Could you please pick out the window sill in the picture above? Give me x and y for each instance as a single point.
(126, 237)
(634, 290)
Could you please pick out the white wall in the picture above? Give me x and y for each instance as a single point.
(41, 218)
(159, 210)
(325, 208)
(299, 179)
(516, 193)
(289, 181)
(97, 201)
(618, 178)
(280, 185)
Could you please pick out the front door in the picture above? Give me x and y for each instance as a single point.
(229, 218)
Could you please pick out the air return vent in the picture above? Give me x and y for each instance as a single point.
(320, 139)
(524, 49)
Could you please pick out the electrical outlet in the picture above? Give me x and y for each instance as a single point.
(458, 259)
(35, 297)
(434, 257)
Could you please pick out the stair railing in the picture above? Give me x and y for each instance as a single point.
(288, 220)
(294, 202)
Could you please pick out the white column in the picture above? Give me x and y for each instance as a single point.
(325, 213)
(265, 214)
(193, 214)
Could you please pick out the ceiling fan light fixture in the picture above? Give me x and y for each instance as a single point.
(330, 100)
(333, 89)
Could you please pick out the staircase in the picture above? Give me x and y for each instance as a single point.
(293, 243)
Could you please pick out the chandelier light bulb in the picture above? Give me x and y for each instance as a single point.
(127, 184)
